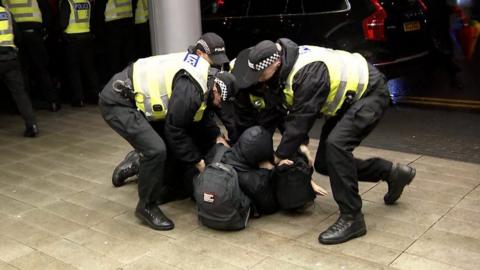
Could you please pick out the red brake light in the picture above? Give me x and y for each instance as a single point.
(374, 25)
(422, 5)
(220, 3)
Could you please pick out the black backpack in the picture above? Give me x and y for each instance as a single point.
(220, 202)
(292, 184)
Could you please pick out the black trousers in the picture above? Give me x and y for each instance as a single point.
(11, 75)
(132, 125)
(81, 76)
(119, 48)
(340, 135)
(35, 60)
(142, 40)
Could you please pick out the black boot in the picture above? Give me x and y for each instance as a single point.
(31, 131)
(129, 167)
(345, 228)
(153, 216)
(400, 176)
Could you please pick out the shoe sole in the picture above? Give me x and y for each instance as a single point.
(412, 175)
(343, 240)
(153, 226)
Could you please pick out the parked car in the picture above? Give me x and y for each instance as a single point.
(386, 32)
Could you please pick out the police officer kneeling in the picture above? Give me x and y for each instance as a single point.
(173, 89)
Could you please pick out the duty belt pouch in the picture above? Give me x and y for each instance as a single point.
(292, 184)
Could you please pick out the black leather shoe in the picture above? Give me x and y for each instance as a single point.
(31, 131)
(78, 103)
(345, 228)
(154, 217)
(54, 106)
(400, 176)
(129, 167)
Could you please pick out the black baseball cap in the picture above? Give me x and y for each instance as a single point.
(259, 58)
(214, 46)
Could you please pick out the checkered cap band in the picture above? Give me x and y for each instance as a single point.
(264, 63)
(223, 88)
(204, 45)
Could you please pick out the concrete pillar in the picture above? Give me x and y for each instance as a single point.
(174, 24)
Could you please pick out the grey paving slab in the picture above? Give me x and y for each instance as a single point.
(448, 248)
(118, 249)
(147, 263)
(58, 210)
(79, 256)
(411, 262)
(11, 249)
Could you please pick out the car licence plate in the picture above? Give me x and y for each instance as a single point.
(411, 26)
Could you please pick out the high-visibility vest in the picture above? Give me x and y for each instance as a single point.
(153, 82)
(118, 9)
(348, 76)
(79, 21)
(141, 13)
(6, 29)
(24, 10)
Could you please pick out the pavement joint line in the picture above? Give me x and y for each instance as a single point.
(445, 103)
(453, 100)
(431, 226)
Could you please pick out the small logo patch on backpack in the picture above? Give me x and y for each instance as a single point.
(208, 197)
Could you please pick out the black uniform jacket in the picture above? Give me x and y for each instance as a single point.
(254, 146)
(238, 113)
(311, 86)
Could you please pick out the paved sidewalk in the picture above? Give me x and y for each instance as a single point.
(58, 210)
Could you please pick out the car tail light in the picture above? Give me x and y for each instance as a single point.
(422, 5)
(220, 3)
(374, 25)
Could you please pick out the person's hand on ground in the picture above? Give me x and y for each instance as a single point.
(200, 166)
(304, 149)
(318, 189)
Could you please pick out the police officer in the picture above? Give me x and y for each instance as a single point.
(11, 74)
(34, 19)
(114, 23)
(74, 20)
(353, 96)
(172, 90)
(211, 48)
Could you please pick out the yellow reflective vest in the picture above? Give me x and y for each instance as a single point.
(24, 10)
(141, 13)
(153, 81)
(118, 9)
(79, 21)
(348, 74)
(6, 29)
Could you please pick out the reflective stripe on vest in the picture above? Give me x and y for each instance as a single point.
(141, 13)
(348, 74)
(257, 102)
(118, 9)
(79, 21)
(6, 29)
(24, 10)
(153, 82)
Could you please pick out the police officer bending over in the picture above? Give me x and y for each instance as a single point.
(11, 74)
(173, 89)
(353, 96)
